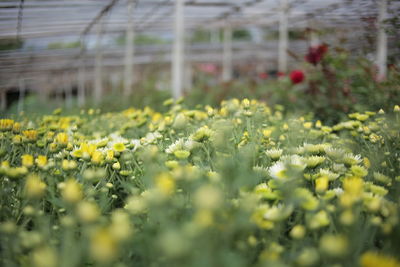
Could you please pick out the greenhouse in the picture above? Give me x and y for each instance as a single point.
(200, 133)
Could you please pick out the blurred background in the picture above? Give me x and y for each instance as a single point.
(113, 54)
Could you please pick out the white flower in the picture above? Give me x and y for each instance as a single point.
(329, 174)
(190, 144)
(338, 191)
(351, 159)
(278, 170)
(116, 138)
(274, 153)
(278, 212)
(150, 138)
(135, 144)
(177, 145)
(334, 152)
(181, 144)
(294, 161)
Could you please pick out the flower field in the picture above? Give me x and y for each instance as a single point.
(238, 185)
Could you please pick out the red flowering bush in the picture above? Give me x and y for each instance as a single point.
(316, 53)
(297, 76)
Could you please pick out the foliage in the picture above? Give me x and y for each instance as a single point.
(143, 39)
(238, 185)
(60, 45)
(11, 44)
(334, 85)
(241, 35)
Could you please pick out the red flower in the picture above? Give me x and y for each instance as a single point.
(316, 53)
(280, 74)
(263, 75)
(296, 76)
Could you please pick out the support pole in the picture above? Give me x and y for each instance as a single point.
(177, 53)
(68, 90)
(313, 33)
(129, 51)
(227, 54)
(81, 75)
(283, 36)
(3, 99)
(98, 85)
(21, 97)
(382, 41)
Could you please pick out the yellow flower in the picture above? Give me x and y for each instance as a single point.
(110, 155)
(366, 162)
(272, 253)
(17, 139)
(165, 183)
(359, 171)
(72, 191)
(41, 161)
(182, 154)
(347, 217)
(6, 124)
(87, 211)
(334, 245)
(313, 161)
(382, 178)
(208, 197)
(77, 153)
(307, 125)
(44, 257)
(202, 134)
(274, 153)
(320, 219)
(353, 186)
(31, 135)
(34, 187)
(258, 217)
(87, 149)
(308, 257)
(62, 139)
(116, 165)
(16, 127)
(172, 164)
(362, 117)
(204, 218)
(375, 259)
(298, 232)
(120, 227)
(68, 164)
(267, 132)
(103, 246)
(27, 160)
(97, 157)
(119, 147)
(135, 204)
(321, 184)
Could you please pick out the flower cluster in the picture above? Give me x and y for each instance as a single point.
(242, 185)
(316, 53)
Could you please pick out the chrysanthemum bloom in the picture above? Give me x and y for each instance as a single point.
(297, 76)
(316, 53)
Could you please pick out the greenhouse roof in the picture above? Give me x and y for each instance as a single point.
(39, 19)
(40, 23)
